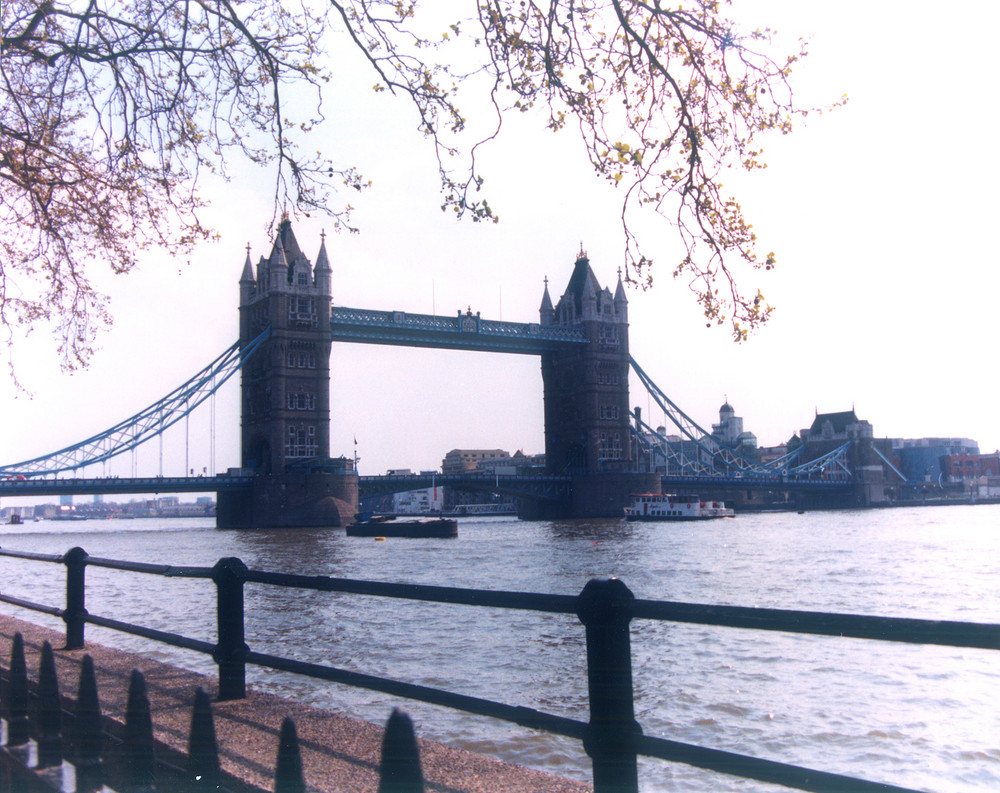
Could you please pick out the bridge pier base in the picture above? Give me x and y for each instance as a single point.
(280, 501)
(543, 509)
(592, 496)
(607, 495)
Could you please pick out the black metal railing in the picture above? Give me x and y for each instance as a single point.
(43, 750)
(612, 737)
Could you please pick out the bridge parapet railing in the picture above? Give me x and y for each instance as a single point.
(612, 737)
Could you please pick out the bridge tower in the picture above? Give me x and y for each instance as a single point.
(286, 384)
(585, 388)
(285, 393)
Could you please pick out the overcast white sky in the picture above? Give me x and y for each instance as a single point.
(881, 214)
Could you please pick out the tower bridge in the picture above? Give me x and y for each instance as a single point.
(597, 451)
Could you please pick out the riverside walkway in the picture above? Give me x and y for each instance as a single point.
(339, 754)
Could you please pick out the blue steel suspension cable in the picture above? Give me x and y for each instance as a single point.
(147, 423)
(731, 459)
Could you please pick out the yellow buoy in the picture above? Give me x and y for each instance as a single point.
(380, 539)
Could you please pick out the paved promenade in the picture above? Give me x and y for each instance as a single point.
(339, 754)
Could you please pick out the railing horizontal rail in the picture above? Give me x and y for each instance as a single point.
(857, 626)
(168, 570)
(528, 601)
(31, 605)
(38, 557)
(173, 639)
(746, 767)
(526, 717)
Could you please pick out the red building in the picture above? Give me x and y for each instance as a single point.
(970, 466)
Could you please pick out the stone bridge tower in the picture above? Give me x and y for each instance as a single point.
(286, 384)
(587, 431)
(285, 394)
(586, 387)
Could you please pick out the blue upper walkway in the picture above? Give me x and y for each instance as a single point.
(462, 332)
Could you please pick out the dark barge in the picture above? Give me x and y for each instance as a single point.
(386, 526)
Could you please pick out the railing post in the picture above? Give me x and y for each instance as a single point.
(605, 609)
(75, 614)
(231, 651)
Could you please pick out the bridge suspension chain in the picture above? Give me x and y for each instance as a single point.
(147, 423)
(832, 463)
(671, 452)
(714, 457)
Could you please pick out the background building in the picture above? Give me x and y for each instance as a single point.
(463, 461)
(729, 432)
(920, 458)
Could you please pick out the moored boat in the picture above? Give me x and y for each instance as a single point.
(671, 506)
(385, 526)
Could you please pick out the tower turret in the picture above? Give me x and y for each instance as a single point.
(323, 272)
(277, 267)
(248, 284)
(621, 301)
(546, 312)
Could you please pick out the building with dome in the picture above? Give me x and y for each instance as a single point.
(729, 432)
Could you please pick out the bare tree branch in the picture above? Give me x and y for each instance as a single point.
(111, 110)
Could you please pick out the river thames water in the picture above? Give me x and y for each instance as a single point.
(921, 717)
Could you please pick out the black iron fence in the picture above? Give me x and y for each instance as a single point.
(79, 756)
(612, 737)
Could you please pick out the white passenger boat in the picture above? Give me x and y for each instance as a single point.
(669, 506)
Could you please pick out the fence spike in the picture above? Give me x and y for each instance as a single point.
(288, 771)
(17, 696)
(203, 752)
(50, 745)
(89, 771)
(400, 757)
(139, 736)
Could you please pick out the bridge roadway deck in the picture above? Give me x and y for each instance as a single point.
(339, 754)
(37, 486)
(538, 486)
